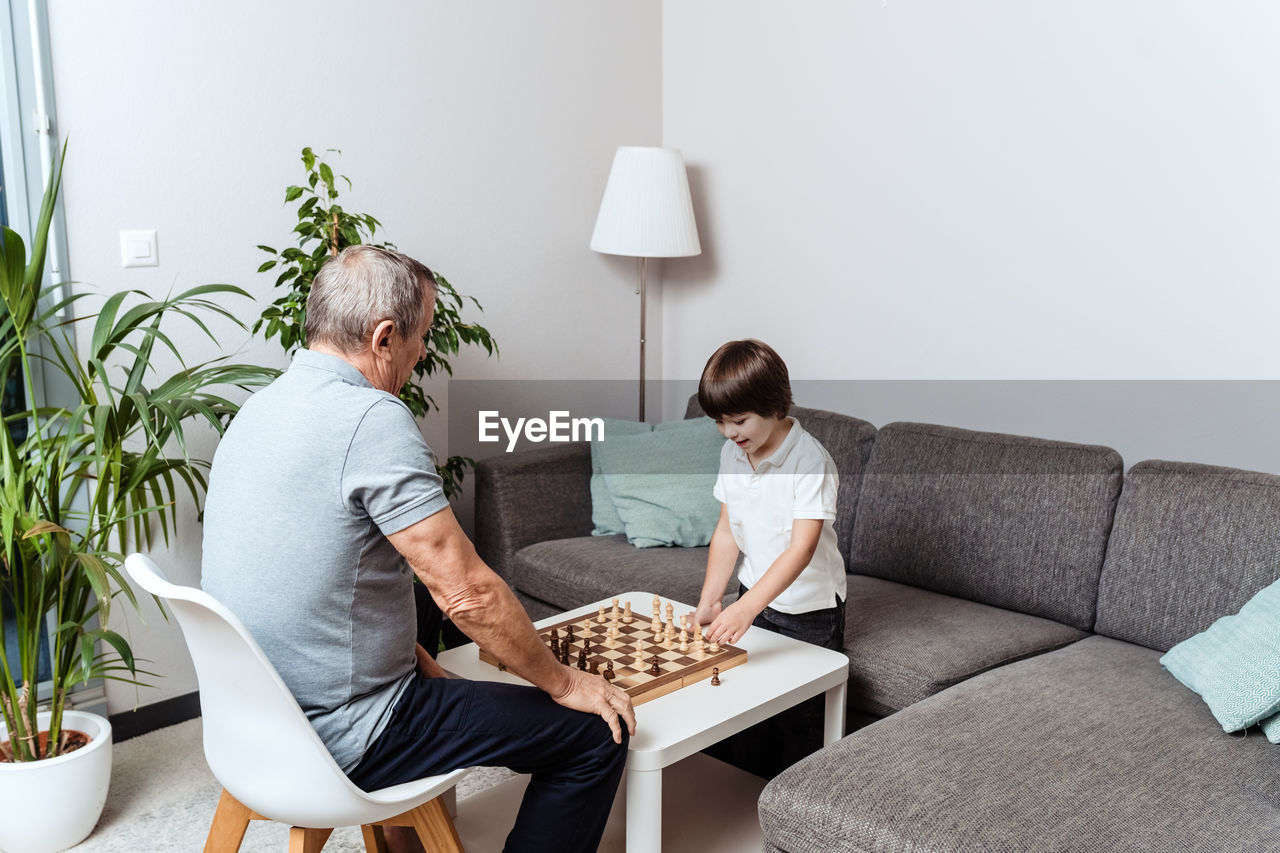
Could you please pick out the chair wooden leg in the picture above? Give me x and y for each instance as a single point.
(229, 823)
(374, 841)
(435, 828)
(307, 840)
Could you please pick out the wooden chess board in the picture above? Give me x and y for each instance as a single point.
(677, 669)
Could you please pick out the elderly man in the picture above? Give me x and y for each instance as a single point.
(323, 503)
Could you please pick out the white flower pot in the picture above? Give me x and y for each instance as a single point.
(50, 805)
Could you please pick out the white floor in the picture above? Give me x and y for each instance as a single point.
(707, 806)
(163, 796)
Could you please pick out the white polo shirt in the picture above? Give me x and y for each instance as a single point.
(798, 480)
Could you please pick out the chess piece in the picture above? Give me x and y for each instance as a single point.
(569, 634)
(609, 638)
(639, 652)
(582, 658)
(614, 611)
(656, 624)
(715, 676)
(564, 652)
(595, 667)
(684, 639)
(626, 614)
(657, 605)
(555, 646)
(555, 636)
(600, 616)
(715, 647)
(654, 668)
(670, 611)
(609, 674)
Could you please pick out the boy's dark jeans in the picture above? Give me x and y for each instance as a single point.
(772, 746)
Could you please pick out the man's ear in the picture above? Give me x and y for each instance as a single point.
(381, 339)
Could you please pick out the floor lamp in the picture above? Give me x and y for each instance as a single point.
(646, 213)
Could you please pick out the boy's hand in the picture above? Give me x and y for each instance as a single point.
(732, 623)
(707, 613)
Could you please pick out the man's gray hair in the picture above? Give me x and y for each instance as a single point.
(362, 286)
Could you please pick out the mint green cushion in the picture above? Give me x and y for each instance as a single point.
(605, 520)
(1271, 728)
(1235, 664)
(661, 482)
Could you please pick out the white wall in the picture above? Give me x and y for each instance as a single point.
(886, 191)
(479, 133)
(921, 189)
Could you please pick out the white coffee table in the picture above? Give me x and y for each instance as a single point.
(779, 673)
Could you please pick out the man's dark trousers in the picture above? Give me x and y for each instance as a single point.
(440, 724)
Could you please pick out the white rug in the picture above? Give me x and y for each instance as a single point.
(163, 796)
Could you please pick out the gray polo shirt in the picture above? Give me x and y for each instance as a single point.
(314, 473)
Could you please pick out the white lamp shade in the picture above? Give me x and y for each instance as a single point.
(646, 211)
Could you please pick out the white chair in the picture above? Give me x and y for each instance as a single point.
(270, 761)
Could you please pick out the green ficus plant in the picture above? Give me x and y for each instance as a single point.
(324, 229)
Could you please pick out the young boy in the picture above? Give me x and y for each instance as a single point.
(777, 489)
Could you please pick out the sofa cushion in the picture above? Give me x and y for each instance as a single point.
(849, 442)
(906, 644)
(1019, 523)
(662, 482)
(1092, 748)
(1235, 664)
(605, 520)
(568, 573)
(1192, 543)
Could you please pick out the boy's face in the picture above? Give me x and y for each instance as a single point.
(757, 435)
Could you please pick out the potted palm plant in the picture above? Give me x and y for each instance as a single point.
(80, 483)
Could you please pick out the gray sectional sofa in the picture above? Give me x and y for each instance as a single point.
(1009, 599)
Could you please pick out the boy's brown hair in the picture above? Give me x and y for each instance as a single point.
(745, 377)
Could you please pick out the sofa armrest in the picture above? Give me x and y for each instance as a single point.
(528, 497)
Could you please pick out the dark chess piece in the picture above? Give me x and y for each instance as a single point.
(582, 659)
(654, 668)
(569, 632)
(715, 676)
(609, 674)
(564, 653)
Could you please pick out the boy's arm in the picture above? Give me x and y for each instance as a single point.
(730, 625)
(721, 559)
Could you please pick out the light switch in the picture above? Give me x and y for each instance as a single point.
(138, 248)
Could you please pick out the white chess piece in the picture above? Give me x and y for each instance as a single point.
(626, 614)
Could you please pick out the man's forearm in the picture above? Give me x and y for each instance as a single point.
(490, 615)
(479, 602)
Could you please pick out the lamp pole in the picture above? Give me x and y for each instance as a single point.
(643, 263)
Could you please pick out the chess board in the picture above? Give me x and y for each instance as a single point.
(677, 669)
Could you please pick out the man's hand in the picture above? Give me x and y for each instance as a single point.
(732, 623)
(594, 695)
